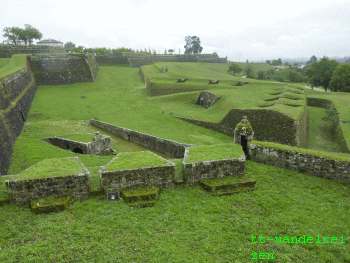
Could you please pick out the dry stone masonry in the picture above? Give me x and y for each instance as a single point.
(306, 162)
(207, 99)
(23, 191)
(169, 148)
(17, 91)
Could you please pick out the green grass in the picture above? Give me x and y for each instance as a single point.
(213, 152)
(135, 160)
(4, 61)
(319, 136)
(16, 63)
(57, 167)
(323, 154)
(187, 225)
(341, 102)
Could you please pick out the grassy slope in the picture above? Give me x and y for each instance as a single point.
(16, 63)
(341, 101)
(318, 137)
(249, 96)
(187, 225)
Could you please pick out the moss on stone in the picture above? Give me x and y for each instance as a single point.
(213, 152)
(328, 155)
(135, 160)
(50, 204)
(136, 194)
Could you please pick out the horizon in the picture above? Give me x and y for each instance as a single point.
(260, 31)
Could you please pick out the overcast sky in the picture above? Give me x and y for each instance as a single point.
(246, 29)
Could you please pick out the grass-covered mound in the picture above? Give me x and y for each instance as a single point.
(56, 167)
(16, 63)
(213, 152)
(135, 160)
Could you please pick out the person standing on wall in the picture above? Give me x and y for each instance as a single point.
(243, 134)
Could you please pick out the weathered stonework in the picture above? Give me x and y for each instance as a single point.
(64, 68)
(169, 148)
(22, 192)
(207, 99)
(102, 145)
(302, 162)
(199, 170)
(17, 91)
(115, 181)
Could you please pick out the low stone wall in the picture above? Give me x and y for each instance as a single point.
(166, 147)
(197, 171)
(22, 192)
(63, 69)
(17, 91)
(115, 181)
(302, 161)
(112, 59)
(101, 146)
(6, 51)
(139, 60)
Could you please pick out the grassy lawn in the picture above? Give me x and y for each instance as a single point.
(213, 152)
(134, 160)
(187, 225)
(56, 167)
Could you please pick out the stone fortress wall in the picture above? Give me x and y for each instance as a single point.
(64, 68)
(17, 91)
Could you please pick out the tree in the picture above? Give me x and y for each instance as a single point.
(193, 45)
(312, 60)
(27, 34)
(30, 33)
(248, 71)
(341, 78)
(171, 51)
(13, 34)
(69, 45)
(320, 73)
(234, 68)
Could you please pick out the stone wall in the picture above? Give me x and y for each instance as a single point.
(306, 161)
(139, 60)
(17, 91)
(64, 69)
(23, 191)
(100, 146)
(206, 99)
(268, 125)
(112, 59)
(6, 51)
(115, 181)
(166, 147)
(196, 171)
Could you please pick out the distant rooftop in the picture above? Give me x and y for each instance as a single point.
(49, 41)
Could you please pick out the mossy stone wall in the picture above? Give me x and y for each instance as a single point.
(301, 162)
(16, 94)
(64, 69)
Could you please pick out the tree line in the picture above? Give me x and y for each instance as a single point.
(18, 35)
(325, 72)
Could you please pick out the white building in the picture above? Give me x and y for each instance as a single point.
(50, 42)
